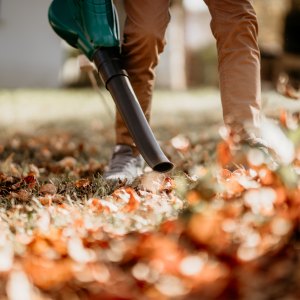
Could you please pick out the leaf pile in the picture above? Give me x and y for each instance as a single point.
(223, 225)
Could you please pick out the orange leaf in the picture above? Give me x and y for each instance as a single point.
(283, 117)
(48, 274)
(82, 183)
(133, 202)
(162, 253)
(96, 205)
(193, 197)
(266, 176)
(129, 196)
(47, 200)
(281, 195)
(224, 155)
(206, 229)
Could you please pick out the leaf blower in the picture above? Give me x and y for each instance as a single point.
(92, 27)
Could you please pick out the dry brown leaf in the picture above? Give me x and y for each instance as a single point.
(82, 183)
(48, 188)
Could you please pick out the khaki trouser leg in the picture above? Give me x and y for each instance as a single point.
(234, 26)
(144, 32)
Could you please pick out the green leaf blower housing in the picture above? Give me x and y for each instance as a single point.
(92, 27)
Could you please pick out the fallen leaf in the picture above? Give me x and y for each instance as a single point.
(48, 188)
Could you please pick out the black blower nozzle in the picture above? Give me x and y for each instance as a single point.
(116, 81)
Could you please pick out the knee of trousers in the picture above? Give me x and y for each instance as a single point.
(140, 52)
(144, 38)
(232, 23)
(148, 33)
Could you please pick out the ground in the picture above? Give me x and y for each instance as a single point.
(207, 230)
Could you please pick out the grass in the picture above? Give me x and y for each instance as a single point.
(68, 234)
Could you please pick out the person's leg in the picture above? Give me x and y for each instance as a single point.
(143, 41)
(235, 28)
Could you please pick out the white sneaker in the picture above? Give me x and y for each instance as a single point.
(124, 165)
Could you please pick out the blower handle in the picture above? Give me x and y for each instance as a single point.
(116, 80)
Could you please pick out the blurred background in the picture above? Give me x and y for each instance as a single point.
(35, 65)
(33, 56)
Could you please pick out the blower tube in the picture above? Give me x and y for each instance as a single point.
(116, 81)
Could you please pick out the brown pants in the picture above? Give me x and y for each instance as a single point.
(234, 25)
